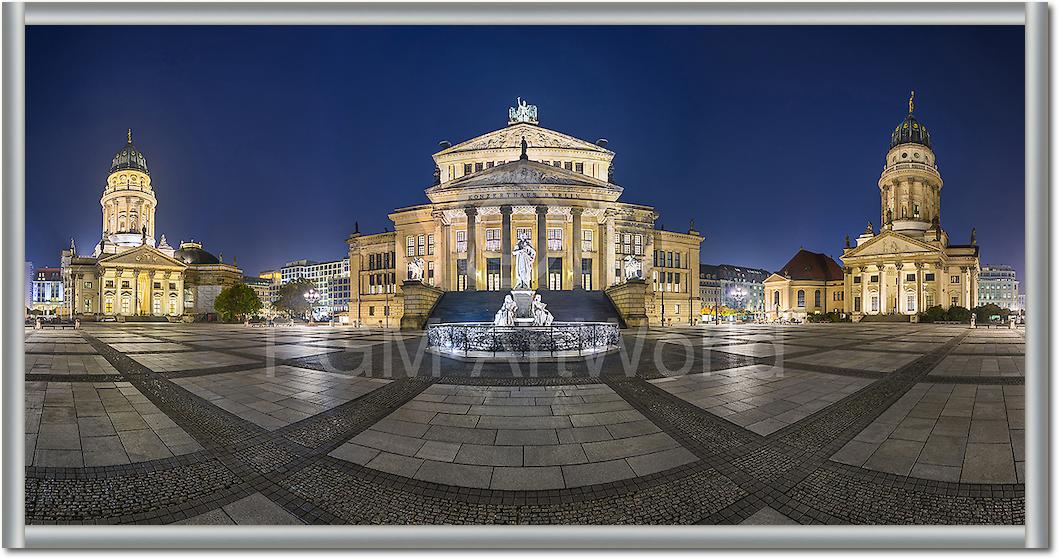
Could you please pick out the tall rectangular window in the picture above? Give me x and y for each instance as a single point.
(429, 272)
(639, 244)
(461, 241)
(585, 274)
(587, 237)
(429, 245)
(579, 167)
(627, 248)
(422, 244)
(554, 274)
(411, 246)
(492, 240)
(468, 168)
(461, 275)
(554, 240)
(492, 273)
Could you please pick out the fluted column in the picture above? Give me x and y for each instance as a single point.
(864, 278)
(603, 247)
(900, 288)
(578, 281)
(541, 247)
(150, 293)
(472, 248)
(918, 288)
(505, 247)
(881, 289)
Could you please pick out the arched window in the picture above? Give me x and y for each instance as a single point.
(819, 297)
(800, 299)
(776, 299)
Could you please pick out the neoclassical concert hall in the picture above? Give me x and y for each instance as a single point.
(524, 181)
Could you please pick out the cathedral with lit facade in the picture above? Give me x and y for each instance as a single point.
(525, 181)
(129, 273)
(899, 268)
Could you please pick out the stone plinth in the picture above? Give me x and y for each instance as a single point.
(419, 300)
(630, 299)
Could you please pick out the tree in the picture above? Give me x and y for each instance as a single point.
(985, 313)
(291, 297)
(237, 301)
(932, 314)
(958, 314)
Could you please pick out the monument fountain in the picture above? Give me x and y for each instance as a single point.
(523, 326)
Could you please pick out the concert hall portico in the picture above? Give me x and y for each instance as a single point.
(524, 181)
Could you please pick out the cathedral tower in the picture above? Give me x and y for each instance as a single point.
(910, 182)
(128, 200)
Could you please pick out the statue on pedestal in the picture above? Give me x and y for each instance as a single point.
(505, 315)
(541, 315)
(524, 255)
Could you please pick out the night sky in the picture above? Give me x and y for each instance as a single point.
(268, 143)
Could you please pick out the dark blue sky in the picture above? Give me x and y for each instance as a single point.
(268, 143)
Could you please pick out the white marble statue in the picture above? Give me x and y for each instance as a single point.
(633, 268)
(505, 315)
(525, 255)
(416, 269)
(541, 315)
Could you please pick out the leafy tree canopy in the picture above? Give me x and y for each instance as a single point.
(291, 297)
(237, 301)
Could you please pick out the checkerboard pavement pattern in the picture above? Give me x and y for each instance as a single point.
(809, 424)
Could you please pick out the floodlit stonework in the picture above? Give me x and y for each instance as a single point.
(909, 264)
(128, 274)
(904, 266)
(524, 180)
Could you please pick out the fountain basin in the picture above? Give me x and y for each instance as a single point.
(474, 340)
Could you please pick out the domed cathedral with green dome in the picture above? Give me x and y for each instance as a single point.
(129, 274)
(907, 263)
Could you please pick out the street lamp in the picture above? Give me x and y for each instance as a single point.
(312, 296)
(739, 294)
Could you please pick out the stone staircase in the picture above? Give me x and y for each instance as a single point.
(566, 306)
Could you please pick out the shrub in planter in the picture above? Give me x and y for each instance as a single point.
(932, 314)
(958, 314)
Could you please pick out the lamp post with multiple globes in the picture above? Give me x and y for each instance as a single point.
(312, 296)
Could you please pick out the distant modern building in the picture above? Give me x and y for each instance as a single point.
(46, 291)
(331, 280)
(732, 286)
(998, 285)
(810, 283)
(263, 289)
(28, 286)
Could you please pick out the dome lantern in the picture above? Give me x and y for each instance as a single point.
(910, 130)
(129, 158)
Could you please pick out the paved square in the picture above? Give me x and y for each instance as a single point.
(753, 424)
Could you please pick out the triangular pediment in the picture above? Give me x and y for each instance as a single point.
(889, 242)
(141, 256)
(775, 278)
(511, 137)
